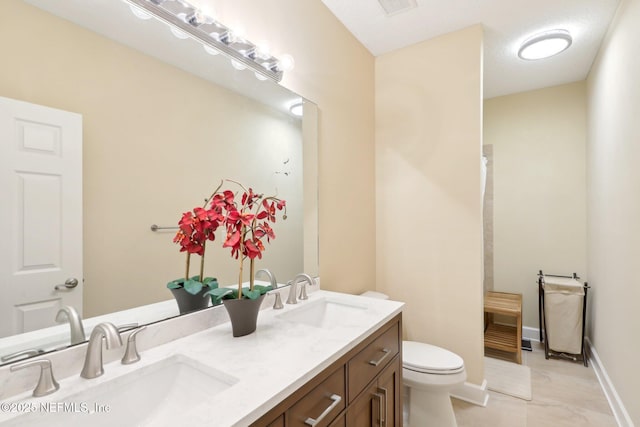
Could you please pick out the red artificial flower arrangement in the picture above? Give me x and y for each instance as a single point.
(246, 220)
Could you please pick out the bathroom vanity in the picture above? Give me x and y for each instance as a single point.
(331, 360)
(362, 388)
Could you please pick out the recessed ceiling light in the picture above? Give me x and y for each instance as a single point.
(544, 45)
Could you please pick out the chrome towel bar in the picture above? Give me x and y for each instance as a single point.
(157, 228)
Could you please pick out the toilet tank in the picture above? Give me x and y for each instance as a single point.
(373, 294)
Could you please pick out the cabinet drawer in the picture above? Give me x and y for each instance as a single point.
(324, 402)
(364, 366)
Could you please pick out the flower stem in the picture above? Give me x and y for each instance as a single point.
(206, 202)
(202, 262)
(251, 274)
(240, 277)
(186, 272)
(237, 183)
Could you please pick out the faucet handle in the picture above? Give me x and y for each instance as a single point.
(127, 326)
(47, 384)
(131, 354)
(292, 292)
(277, 305)
(303, 292)
(22, 354)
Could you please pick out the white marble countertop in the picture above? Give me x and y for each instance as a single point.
(266, 366)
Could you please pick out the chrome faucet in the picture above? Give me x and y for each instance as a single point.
(93, 361)
(270, 275)
(302, 277)
(75, 322)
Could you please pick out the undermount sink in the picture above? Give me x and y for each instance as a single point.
(325, 313)
(154, 395)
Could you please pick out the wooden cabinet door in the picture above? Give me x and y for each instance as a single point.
(341, 421)
(389, 386)
(365, 411)
(380, 405)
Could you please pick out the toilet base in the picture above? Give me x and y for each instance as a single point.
(427, 408)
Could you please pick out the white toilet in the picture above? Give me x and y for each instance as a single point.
(430, 373)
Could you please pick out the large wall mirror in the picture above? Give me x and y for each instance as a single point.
(161, 123)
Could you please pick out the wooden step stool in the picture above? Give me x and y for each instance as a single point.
(503, 337)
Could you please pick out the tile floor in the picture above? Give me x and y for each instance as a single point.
(565, 394)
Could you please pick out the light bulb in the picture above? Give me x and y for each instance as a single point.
(260, 77)
(139, 13)
(209, 11)
(211, 51)
(286, 62)
(236, 33)
(262, 50)
(200, 18)
(179, 33)
(238, 65)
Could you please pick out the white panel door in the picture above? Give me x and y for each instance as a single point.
(40, 214)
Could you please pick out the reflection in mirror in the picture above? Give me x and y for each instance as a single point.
(156, 135)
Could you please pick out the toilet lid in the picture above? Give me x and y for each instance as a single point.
(427, 358)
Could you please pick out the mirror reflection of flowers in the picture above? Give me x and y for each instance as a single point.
(246, 220)
(194, 229)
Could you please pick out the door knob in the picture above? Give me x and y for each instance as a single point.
(68, 284)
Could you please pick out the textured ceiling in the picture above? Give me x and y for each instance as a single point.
(506, 23)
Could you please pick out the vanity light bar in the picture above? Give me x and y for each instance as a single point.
(188, 19)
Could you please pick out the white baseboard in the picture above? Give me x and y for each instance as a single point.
(617, 407)
(532, 334)
(472, 393)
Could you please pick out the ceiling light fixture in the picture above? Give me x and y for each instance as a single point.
(139, 13)
(184, 18)
(544, 45)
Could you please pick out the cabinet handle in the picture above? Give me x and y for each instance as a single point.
(336, 401)
(379, 398)
(383, 407)
(386, 352)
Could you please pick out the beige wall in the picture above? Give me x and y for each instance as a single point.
(613, 159)
(428, 148)
(336, 72)
(157, 141)
(539, 188)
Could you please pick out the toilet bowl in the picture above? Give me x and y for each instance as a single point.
(430, 373)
